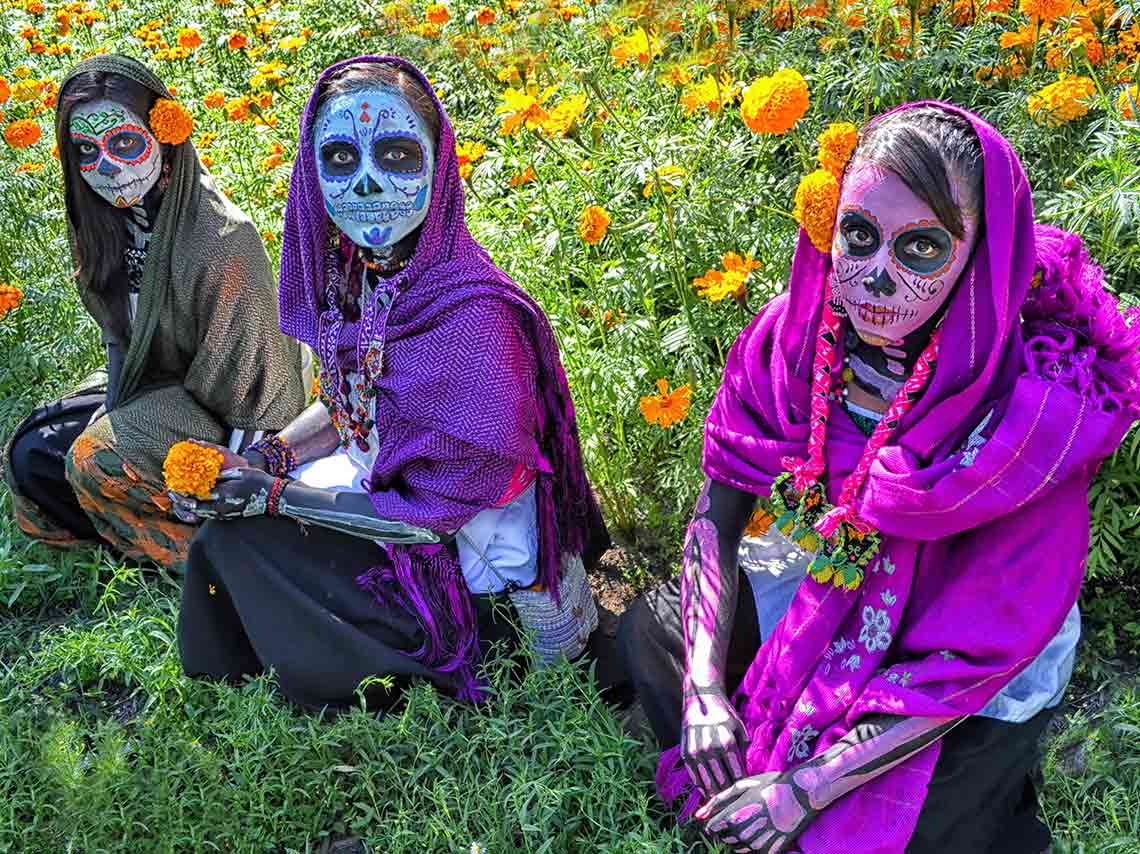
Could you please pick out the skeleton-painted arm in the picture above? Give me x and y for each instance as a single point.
(311, 436)
(349, 513)
(767, 812)
(713, 738)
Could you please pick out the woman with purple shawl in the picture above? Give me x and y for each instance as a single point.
(921, 416)
(389, 530)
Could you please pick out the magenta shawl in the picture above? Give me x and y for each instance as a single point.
(984, 545)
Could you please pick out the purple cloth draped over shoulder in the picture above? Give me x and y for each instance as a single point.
(472, 387)
(983, 552)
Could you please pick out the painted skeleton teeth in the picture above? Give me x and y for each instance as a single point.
(882, 315)
(374, 216)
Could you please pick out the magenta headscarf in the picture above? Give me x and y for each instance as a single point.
(983, 552)
(471, 368)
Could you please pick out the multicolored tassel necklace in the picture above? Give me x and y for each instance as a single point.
(843, 543)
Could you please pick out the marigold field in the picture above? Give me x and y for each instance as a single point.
(635, 167)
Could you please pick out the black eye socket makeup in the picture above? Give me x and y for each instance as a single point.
(860, 235)
(127, 145)
(398, 154)
(339, 158)
(923, 250)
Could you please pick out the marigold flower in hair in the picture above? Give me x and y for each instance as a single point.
(23, 133)
(593, 224)
(774, 104)
(10, 299)
(170, 122)
(192, 469)
(666, 407)
(836, 145)
(817, 200)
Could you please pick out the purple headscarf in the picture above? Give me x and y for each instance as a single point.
(472, 387)
(983, 550)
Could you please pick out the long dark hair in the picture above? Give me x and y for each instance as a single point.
(932, 151)
(100, 228)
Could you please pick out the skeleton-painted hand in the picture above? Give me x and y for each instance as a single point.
(713, 738)
(239, 493)
(764, 813)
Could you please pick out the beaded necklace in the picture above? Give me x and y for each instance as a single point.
(843, 543)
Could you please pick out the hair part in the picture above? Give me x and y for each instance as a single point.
(100, 228)
(367, 75)
(933, 152)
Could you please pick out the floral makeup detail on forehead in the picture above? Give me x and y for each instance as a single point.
(118, 156)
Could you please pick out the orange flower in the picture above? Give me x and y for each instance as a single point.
(817, 199)
(667, 407)
(638, 45)
(836, 145)
(715, 285)
(523, 108)
(10, 299)
(22, 134)
(469, 153)
(593, 224)
(1047, 10)
(437, 14)
(237, 110)
(759, 523)
(25, 168)
(774, 104)
(215, 100)
(170, 122)
(486, 15)
(519, 179)
(1127, 101)
(1063, 101)
(192, 469)
(237, 40)
(5, 91)
(189, 38)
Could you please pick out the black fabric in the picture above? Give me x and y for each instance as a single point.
(39, 452)
(982, 798)
(264, 592)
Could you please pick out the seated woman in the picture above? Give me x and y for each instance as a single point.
(179, 283)
(438, 477)
(921, 416)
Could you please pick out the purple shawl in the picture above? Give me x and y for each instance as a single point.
(472, 388)
(984, 545)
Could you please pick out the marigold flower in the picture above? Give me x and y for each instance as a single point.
(10, 299)
(1063, 101)
(170, 122)
(669, 177)
(291, 44)
(1047, 10)
(5, 91)
(562, 118)
(268, 76)
(817, 199)
(523, 108)
(237, 40)
(520, 179)
(192, 469)
(215, 100)
(34, 7)
(21, 72)
(437, 14)
(26, 90)
(774, 104)
(716, 285)
(638, 45)
(28, 167)
(1127, 101)
(189, 38)
(593, 224)
(485, 15)
(836, 145)
(666, 407)
(759, 523)
(469, 153)
(710, 94)
(237, 110)
(675, 75)
(23, 133)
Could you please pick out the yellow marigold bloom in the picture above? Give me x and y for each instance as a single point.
(170, 122)
(716, 285)
(237, 110)
(428, 30)
(710, 94)
(523, 108)
(676, 76)
(189, 38)
(268, 76)
(562, 118)
(836, 144)
(192, 469)
(669, 176)
(666, 407)
(21, 72)
(508, 74)
(593, 224)
(10, 299)
(22, 134)
(1047, 10)
(469, 154)
(206, 140)
(638, 45)
(1127, 101)
(26, 90)
(437, 14)
(215, 100)
(774, 104)
(1063, 101)
(485, 15)
(817, 199)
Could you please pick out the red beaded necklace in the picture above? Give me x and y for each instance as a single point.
(843, 543)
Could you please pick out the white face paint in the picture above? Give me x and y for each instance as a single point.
(118, 156)
(376, 160)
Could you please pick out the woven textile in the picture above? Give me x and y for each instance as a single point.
(981, 558)
(207, 316)
(472, 387)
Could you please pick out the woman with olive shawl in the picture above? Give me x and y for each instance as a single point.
(179, 283)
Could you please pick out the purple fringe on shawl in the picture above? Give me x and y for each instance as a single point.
(436, 392)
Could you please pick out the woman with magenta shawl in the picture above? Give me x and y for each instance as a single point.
(437, 486)
(869, 667)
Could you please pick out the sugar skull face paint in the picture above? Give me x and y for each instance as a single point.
(893, 261)
(376, 160)
(117, 155)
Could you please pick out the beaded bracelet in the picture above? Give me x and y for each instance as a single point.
(273, 502)
(279, 457)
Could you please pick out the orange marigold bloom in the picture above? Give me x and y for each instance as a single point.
(836, 145)
(523, 108)
(710, 94)
(1063, 101)
(469, 153)
(215, 100)
(237, 40)
(170, 122)
(774, 104)
(189, 38)
(237, 110)
(62, 23)
(437, 14)
(519, 179)
(666, 407)
(486, 15)
(34, 7)
(22, 134)
(28, 167)
(10, 299)
(1046, 10)
(5, 91)
(1127, 101)
(638, 45)
(817, 199)
(593, 224)
(192, 469)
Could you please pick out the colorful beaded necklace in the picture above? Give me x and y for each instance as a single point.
(843, 543)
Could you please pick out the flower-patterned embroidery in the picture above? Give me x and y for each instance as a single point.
(853, 663)
(799, 748)
(839, 647)
(889, 598)
(900, 679)
(876, 631)
(947, 655)
(806, 707)
(884, 565)
(974, 443)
